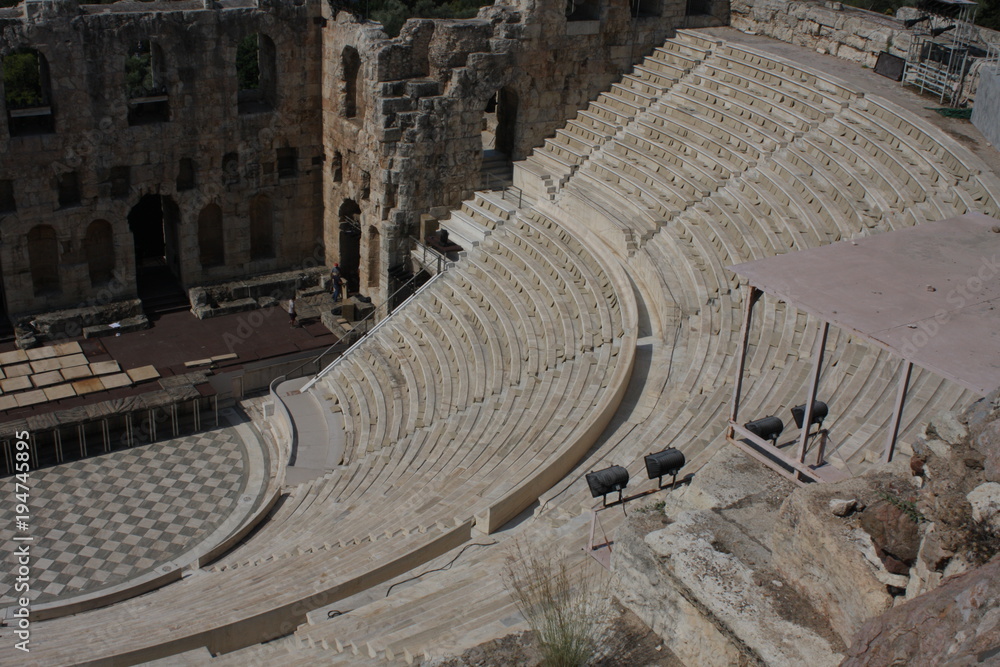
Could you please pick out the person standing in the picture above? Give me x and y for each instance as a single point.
(336, 281)
(291, 312)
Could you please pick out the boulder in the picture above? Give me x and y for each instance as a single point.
(985, 501)
(894, 532)
(825, 558)
(954, 624)
(988, 444)
(843, 507)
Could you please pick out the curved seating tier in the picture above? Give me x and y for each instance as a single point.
(700, 180)
(460, 409)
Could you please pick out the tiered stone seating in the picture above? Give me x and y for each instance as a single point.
(495, 378)
(707, 155)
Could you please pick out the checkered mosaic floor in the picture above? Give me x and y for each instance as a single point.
(111, 518)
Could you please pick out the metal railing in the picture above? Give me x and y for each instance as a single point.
(992, 59)
(428, 255)
(517, 196)
(369, 328)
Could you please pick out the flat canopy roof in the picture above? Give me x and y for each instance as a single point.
(929, 294)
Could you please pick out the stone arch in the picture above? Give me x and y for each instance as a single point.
(99, 248)
(261, 228)
(374, 248)
(27, 93)
(351, 65)
(43, 259)
(211, 237)
(256, 73)
(350, 243)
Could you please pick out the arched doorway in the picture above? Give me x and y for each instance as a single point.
(211, 237)
(43, 259)
(350, 243)
(153, 223)
(99, 248)
(374, 248)
(499, 132)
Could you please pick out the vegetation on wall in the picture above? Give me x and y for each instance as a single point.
(22, 83)
(247, 63)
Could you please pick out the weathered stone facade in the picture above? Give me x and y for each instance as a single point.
(349, 125)
(414, 145)
(209, 159)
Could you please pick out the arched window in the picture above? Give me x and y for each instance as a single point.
(351, 63)
(43, 259)
(145, 84)
(261, 228)
(256, 73)
(27, 93)
(211, 239)
(99, 247)
(373, 256)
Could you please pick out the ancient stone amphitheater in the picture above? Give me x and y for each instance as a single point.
(590, 321)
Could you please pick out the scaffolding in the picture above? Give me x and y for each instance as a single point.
(938, 58)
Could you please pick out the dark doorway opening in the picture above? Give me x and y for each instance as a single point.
(153, 223)
(499, 137)
(350, 243)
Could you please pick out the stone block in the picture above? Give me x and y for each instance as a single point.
(116, 380)
(76, 372)
(46, 379)
(18, 371)
(11, 385)
(104, 367)
(59, 391)
(143, 373)
(30, 398)
(88, 386)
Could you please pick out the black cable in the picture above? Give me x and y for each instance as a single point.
(439, 569)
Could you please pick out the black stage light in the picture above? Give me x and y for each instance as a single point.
(609, 480)
(668, 462)
(767, 428)
(909, 23)
(820, 411)
(937, 32)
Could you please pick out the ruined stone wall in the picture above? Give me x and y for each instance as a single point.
(840, 30)
(116, 163)
(415, 145)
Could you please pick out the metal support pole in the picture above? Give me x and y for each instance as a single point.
(751, 298)
(152, 426)
(57, 438)
(813, 385)
(197, 415)
(106, 434)
(82, 436)
(897, 412)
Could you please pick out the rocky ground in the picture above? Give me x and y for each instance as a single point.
(630, 644)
